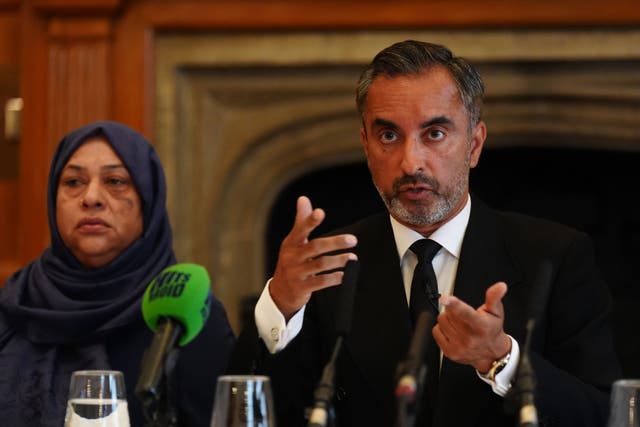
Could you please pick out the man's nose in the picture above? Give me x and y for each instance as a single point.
(413, 156)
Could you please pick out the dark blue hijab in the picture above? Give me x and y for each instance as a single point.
(55, 313)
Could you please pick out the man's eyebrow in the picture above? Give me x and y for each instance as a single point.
(378, 122)
(440, 120)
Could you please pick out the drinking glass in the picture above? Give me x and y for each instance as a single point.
(243, 401)
(625, 404)
(97, 399)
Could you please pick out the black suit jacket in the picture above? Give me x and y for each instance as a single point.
(572, 350)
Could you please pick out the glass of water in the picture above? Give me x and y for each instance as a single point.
(625, 403)
(97, 399)
(243, 401)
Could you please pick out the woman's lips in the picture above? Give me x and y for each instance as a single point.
(92, 225)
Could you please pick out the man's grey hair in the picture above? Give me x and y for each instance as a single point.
(412, 57)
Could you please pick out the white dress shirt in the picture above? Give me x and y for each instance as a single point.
(276, 333)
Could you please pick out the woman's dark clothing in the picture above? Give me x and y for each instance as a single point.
(57, 316)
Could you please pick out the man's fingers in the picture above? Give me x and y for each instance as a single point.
(319, 265)
(441, 339)
(493, 299)
(307, 219)
(473, 336)
(323, 245)
(322, 281)
(304, 265)
(459, 309)
(303, 207)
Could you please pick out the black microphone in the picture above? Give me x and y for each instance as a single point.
(525, 376)
(412, 370)
(323, 395)
(175, 306)
(526, 383)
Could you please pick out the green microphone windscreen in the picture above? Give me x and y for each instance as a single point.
(181, 292)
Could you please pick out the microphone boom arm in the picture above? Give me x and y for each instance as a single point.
(323, 396)
(412, 371)
(322, 412)
(152, 388)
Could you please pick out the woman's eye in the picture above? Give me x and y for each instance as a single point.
(72, 182)
(117, 181)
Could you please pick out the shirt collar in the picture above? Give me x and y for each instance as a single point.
(449, 235)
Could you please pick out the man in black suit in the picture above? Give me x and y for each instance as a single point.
(422, 133)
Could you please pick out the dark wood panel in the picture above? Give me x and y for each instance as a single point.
(35, 147)
(383, 14)
(8, 220)
(8, 217)
(76, 6)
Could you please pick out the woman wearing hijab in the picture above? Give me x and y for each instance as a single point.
(78, 306)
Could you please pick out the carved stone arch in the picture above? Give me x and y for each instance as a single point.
(252, 187)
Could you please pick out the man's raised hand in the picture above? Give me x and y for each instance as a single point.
(302, 263)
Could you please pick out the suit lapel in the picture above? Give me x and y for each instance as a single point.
(483, 261)
(380, 329)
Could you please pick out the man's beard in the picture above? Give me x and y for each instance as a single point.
(418, 213)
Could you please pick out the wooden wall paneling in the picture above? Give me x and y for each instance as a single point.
(9, 36)
(9, 64)
(133, 78)
(8, 220)
(35, 146)
(372, 14)
(79, 73)
(76, 6)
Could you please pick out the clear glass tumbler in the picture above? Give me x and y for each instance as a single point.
(243, 401)
(625, 404)
(97, 399)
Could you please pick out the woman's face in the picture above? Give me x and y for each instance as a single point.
(98, 209)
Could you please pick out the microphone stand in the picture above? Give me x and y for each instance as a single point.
(154, 385)
(408, 393)
(526, 383)
(412, 372)
(322, 414)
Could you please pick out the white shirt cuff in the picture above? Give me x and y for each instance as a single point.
(272, 327)
(503, 379)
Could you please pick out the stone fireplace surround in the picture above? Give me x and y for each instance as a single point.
(239, 116)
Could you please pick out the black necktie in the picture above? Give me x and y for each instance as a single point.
(424, 296)
(424, 286)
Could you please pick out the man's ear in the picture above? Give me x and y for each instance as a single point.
(478, 136)
(363, 141)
